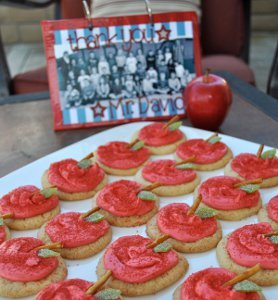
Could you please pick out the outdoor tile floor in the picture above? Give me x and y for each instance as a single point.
(24, 57)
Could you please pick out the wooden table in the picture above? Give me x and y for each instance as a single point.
(27, 129)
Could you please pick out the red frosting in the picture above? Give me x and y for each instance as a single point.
(19, 261)
(120, 199)
(204, 152)
(249, 166)
(73, 231)
(2, 234)
(219, 193)
(156, 135)
(71, 289)
(208, 284)
(247, 246)
(130, 261)
(173, 219)
(272, 209)
(27, 202)
(117, 155)
(70, 178)
(165, 172)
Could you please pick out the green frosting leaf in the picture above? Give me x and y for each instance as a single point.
(95, 217)
(147, 195)
(138, 145)
(250, 188)
(214, 139)
(247, 286)
(163, 247)
(274, 239)
(269, 154)
(206, 212)
(48, 192)
(186, 166)
(108, 294)
(1, 221)
(175, 126)
(47, 253)
(84, 164)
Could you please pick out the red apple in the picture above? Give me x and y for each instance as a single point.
(207, 99)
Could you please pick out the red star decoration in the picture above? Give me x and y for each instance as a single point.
(163, 33)
(98, 110)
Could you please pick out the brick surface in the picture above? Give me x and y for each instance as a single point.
(30, 33)
(9, 33)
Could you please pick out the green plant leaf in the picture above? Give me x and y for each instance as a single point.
(175, 126)
(269, 154)
(147, 195)
(108, 294)
(247, 286)
(84, 164)
(94, 218)
(1, 221)
(47, 253)
(214, 139)
(274, 239)
(186, 166)
(250, 188)
(206, 212)
(163, 247)
(138, 145)
(48, 192)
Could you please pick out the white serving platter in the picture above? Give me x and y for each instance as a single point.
(85, 269)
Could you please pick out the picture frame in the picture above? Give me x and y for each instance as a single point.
(116, 70)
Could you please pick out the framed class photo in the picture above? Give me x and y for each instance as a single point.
(122, 69)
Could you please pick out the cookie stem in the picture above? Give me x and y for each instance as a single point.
(90, 155)
(245, 182)
(7, 216)
(158, 241)
(57, 245)
(151, 186)
(260, 150)
(189, 159)
(248, 273)
(215, 134)
(130, 145)
(93, 288)
(88, 213)
(195, 205)
(173, 120)
(270, 234)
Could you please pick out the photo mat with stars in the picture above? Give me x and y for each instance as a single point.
(116, 70)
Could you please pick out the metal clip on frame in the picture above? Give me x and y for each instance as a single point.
(87, 14)
(149, 11)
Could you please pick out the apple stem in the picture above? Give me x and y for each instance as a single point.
(88, 213)
(94, 287)
(248, 273)
(195, 205)
(206, 77)
(158, 241)
(152, 186)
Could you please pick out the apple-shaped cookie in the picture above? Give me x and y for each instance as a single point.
(248, 246)
(25, 270)
(250, 166)
(75, 180)
(269, 213)
(189, 233)
(29, 207)
(138, 270)
(121, 205)
(118, 158)
(80, 237)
